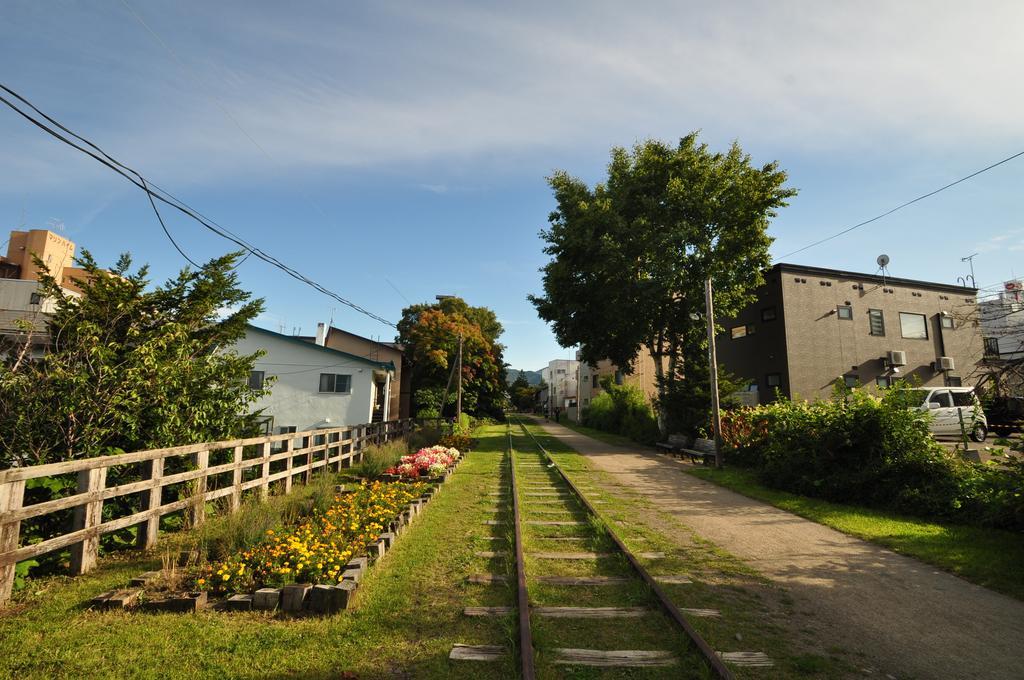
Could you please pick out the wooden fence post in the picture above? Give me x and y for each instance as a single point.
(265, 472)
(236, 481)
(308, 443)
(288, 462)
(87, 516)
(197, 511)
(12, 494)
(151, 500)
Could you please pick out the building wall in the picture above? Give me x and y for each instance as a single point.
(560, 375)
(1002, 320)
(643, 375)
(353, 344)
(821, 347)
(295, 399)
(56, 252)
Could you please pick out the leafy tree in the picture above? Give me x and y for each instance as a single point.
(130, 368)
(524, 395)
(630, 257)
(431, 334)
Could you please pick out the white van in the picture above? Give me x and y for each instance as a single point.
(946, 406)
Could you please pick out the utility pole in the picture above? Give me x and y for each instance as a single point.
(716, 415)
(458, 399)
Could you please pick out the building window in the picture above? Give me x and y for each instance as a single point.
(768, 314)
(947, 321)
(876, 322)
(256, 380)
(991, 347)
(773, 380)
(560, 371)
(596, 386)
(851, 381)
(618, 377)
(913, 326)
(335, 382)
(883, 381)
(35, 299)
(953, 381)
(845, 312)
(738, 332)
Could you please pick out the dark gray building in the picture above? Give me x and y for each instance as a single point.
(811, 326)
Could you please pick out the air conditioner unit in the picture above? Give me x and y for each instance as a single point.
(945, 364)
(897, 358)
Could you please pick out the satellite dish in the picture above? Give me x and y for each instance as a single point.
(882, 260)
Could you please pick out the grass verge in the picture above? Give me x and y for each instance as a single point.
(988, 557)
(408, 612)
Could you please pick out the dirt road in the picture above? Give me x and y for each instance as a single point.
(908, 618)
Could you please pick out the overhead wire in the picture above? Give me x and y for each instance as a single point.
(901, 206)
(158, 194)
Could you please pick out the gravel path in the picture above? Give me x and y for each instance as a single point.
(906, 618)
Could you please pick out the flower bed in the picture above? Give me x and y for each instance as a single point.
(317, 550)
(432, 461)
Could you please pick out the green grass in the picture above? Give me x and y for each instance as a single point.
(408, 612)
(751, 607)
(988, 557)
(601, 435)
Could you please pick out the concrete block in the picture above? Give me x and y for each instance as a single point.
(353, 575)
(325, 599)
(389, 539)
(144, 579)
(376, 550)
(122, 599)
(240, 602)
(293, 596)
(266, 599)
(360, 563)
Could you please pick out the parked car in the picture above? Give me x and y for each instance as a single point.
(1005, 415)
(947, 405)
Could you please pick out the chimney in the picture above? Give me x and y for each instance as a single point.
(321, 334)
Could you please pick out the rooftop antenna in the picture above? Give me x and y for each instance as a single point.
(883, 262)
(970, 259)
(55, 224)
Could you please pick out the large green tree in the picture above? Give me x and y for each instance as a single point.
(131, 367)
(430, 333)
(629, 257)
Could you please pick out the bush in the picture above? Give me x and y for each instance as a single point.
(622, 409)
(379, 457)
(857, 448)
(456, 441)
(424, 437)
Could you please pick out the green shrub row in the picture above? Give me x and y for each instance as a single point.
(624, 410)
(874, 451)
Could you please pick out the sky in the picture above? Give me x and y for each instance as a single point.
(394, 151)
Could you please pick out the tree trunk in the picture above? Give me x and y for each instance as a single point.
(657, 353)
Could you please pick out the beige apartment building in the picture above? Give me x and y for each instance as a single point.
(811, 326)
(642, 375)
(22, 305)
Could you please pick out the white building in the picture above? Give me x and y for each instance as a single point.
(315, 386)
(1002, 323)
(560, 375)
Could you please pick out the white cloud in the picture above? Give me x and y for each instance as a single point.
(409, 84)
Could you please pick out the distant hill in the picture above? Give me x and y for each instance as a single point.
(532, 377)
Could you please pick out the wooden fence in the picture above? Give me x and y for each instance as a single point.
(247, 464)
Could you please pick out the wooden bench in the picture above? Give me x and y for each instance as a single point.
(675, 444)
(702, 450)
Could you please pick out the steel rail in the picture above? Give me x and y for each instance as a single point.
(715, 661)
(523, 599)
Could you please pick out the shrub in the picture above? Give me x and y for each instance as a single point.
(379, 457)
(456, 441)
(622, 409)
(424, 437)
(857, 448)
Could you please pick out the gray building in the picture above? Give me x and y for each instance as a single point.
(811, 326)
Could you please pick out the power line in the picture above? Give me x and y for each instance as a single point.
(901, 206)
(155, 192)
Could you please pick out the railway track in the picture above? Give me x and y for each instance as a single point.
(583, 599)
